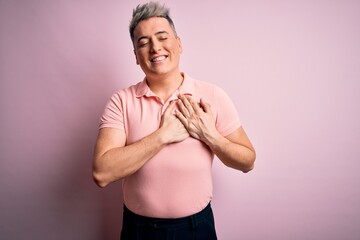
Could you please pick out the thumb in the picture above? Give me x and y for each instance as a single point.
(205, 106)
(169, 109)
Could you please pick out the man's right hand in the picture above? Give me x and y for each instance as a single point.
(113, 159)
(171, 127)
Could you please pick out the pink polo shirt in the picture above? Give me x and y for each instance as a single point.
(177, 181)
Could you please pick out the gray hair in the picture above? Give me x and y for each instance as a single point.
(148, 10)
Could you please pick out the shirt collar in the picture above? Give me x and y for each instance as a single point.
(187, 87)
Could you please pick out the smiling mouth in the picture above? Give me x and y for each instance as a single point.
(158, 59)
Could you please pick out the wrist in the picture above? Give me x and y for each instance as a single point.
(212, 140)
(162, 137)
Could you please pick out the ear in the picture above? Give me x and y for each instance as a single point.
(137, 62)
(180, 44)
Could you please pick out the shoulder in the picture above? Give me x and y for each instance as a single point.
(198, 85)
(209, 89)
(125, 93)
(203, 84)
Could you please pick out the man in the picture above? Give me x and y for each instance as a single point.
(160, 136)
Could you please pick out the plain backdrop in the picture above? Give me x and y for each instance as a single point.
(292, 69)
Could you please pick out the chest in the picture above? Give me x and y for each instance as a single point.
(143, 116)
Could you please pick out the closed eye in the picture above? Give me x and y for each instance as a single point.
(143, 44)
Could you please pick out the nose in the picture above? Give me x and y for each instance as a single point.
(155, 46)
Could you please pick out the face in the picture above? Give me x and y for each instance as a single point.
(156, 47)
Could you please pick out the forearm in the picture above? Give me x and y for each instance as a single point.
(120, 162)
(235, 150)
(113, 160)
(234, 155)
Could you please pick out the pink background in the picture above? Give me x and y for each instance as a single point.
(291, 67)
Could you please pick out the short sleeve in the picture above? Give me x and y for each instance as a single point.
(227, 118)
(113, 116)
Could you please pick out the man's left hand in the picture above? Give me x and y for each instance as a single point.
(197, 118)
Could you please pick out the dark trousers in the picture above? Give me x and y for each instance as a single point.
(199, 226)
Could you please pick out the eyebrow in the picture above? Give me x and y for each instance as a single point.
(157, 33)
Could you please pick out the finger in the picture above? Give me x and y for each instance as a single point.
(187, 104)
(169, 109)
(205, 106)
(195, 105)
(183, 108)
(181, 117)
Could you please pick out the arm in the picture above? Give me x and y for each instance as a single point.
(234, 150)
(113, 160)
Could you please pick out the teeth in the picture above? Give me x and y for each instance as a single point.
(158, 59)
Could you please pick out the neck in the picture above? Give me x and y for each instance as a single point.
(164, 86)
